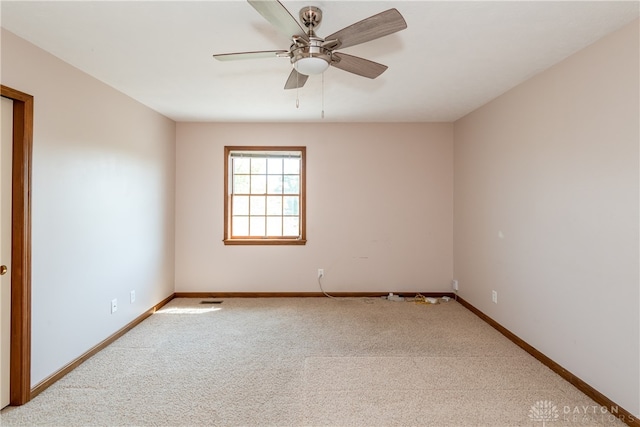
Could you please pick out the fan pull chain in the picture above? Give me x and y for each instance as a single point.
(322, 114)
(297, 87)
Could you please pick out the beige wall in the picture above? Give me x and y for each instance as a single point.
(379, 204)
(546, 213)
(103, 202)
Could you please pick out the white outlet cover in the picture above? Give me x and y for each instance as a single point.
(114, 305)
(132, 296)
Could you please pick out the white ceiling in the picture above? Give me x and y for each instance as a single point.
(453, 57)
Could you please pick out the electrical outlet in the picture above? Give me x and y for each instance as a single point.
(114, 305)
(454, 285)
(320, 273)
(494, 297)
(132, 297)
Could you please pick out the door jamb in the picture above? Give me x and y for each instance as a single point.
(20, 381)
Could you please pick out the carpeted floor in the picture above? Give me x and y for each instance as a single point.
(311, 361)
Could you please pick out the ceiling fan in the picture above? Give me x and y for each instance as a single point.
(311, 54)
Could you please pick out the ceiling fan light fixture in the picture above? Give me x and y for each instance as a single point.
(311, 65)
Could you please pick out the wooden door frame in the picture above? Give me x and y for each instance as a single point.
(20, 381)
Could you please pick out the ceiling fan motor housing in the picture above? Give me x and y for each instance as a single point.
(314, 53)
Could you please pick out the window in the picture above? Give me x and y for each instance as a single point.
(264, 196)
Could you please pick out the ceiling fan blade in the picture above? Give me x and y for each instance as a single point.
(360, 66)
(250, 55)
(278, 15)
(295, 80)
(376, 26)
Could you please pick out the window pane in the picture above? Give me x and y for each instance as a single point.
(274, 184)
(274, 166)
(292, 184)
(257, 226)
(290, 205)
(257, 206)
(258, 165)
(274, 205)
(241, 165)
(274, 226)
(291, 166)
(240, 205)
(241, 184)
(258, 184)
(240, 226)
(291, 226)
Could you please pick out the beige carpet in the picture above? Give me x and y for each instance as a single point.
(311, 361)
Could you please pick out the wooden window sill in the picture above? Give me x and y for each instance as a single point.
(294, 242)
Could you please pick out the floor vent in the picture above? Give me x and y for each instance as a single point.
(210, 302)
